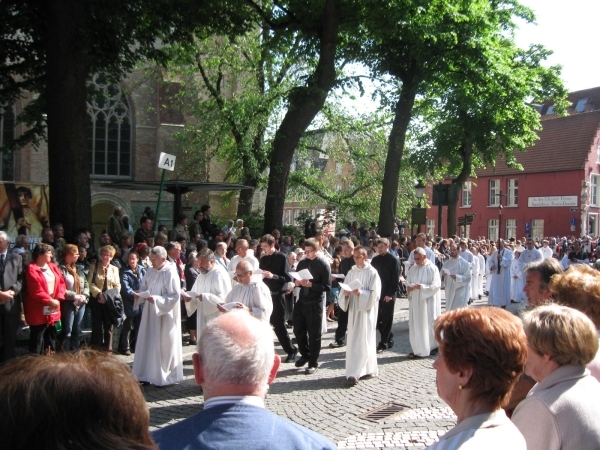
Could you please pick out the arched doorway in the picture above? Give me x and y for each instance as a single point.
(103, 206)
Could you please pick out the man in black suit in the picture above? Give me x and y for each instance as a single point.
(11, 273)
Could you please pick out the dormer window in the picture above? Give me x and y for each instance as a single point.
(580, 107)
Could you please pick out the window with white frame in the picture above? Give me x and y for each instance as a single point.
(109, 130)
(430, 227)
(493, 229)
(494, 192)
(466, 194)
(513, 192)
(7, 135)
(537, 228)
(594, 186)
(287, 217)
(511, 228)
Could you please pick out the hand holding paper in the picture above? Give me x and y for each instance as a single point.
(352, 286)
(304, 274)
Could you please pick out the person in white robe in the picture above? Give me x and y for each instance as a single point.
(361, 306)
(481, 273)
(424, 304)
(244, 253)
(498, 265)
(158, 353)
(463, 251)
(475, 267)
(209, 291)
(516, 281)
(251, 293)
(457, 273)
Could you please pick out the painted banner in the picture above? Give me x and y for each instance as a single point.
(24, 210)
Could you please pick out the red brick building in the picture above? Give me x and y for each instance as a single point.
(557, 193)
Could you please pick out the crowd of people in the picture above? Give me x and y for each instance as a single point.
(529, 382)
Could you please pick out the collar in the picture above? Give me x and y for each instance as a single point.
(563, 373)
(234, 400)
(487, 420)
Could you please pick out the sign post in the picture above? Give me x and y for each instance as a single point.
(165, 162)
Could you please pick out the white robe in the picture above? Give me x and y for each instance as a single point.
(500, 282)
(430, 256)
(458, 290)
(475, 278)
(158, 353)
(214, 287)
(237, 258)
(424, 307)
(361, 348)
(481, 272)
(256, 296)
(516, 284)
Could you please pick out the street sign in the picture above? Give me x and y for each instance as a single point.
(573, 208)
(166, 161)
(573, 223)
(527, 229)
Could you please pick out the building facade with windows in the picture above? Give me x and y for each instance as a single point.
(556, 194)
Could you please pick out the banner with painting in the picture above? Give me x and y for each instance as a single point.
(24, 210)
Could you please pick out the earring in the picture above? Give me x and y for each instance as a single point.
(460, 386)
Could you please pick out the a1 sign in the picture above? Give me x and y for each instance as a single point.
(166, 162)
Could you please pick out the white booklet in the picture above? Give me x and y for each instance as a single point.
(446, 272)
(338, 275)
(304, 274)
(141, 298)
(352, 286)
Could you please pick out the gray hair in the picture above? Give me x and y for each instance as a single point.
(420, 251)
(206, 253)
(159, 251)
(3, 235)
(227, 361)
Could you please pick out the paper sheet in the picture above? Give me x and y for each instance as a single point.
(338, 275)
(352, 286)
(141, 298)
(304, 274)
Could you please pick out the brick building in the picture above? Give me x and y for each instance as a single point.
(557, 193)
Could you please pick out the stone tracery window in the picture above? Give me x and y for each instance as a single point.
(109, 130)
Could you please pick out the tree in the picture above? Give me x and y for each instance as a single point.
(50, 49)
(484, 113)
(318, 25)
(236, 88)
(419, 44)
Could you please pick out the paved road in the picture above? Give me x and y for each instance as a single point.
(324, 404)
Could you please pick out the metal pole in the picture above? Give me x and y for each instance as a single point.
(440, 190)
(162, 182)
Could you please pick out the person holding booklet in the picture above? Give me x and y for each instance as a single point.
(457, 274)
(212, 285)
(252, 294)
(314, 278)
(158, 356)
(360, 294)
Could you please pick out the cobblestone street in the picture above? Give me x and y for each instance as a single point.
(324, 404)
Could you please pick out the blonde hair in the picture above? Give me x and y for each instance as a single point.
(108, 249)
(579, 288)
(564, 333)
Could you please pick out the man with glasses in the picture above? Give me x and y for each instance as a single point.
(275, 268)
(158, 357)
(250, 294)
(308, 311)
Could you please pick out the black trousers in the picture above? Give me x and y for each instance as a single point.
(278, 322)
(129, 333)
(102, 326)
(340, 332)
(42, 337)
(385, 319)
(9, 325)
(308, 320)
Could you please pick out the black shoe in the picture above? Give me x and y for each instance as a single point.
(435, 351)
(336, 344)
(302, 361)
(381, 347)
(390, 344)
(310, 370)
(192, 342)
(291, 357)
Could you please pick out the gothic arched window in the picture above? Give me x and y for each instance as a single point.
(109, 130)
(7, 134)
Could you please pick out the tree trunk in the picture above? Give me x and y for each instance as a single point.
(389, 193)
(68, 161)
(304, 104)
(245, 201)
(462, 178)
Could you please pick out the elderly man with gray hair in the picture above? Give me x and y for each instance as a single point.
(235, 364)
(424, 304)
(158, 356)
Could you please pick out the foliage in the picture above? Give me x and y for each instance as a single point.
(255, 223)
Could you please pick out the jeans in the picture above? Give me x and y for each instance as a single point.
(71, 318)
